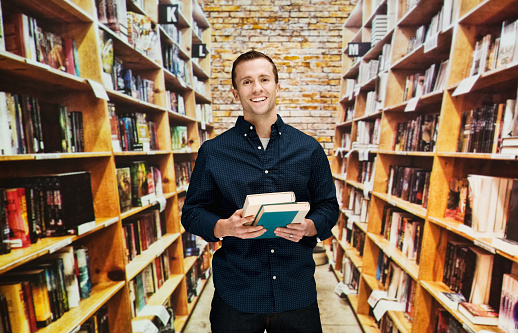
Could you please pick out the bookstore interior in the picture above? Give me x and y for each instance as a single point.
(110, 100)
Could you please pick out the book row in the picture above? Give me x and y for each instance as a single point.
(42, 206)
(419, 134)
(495, 50)
(182, 172)
(486, 205)
(482, 285)
(29, 126)
(132, 131)
(148, 282)
(142, 230)
(139, 184)
(174, 63)
(40, 292)
(398, 291)
(119, 77)
(404, 231)
(482, 128)
(409, 184)
(419, 84)
(23, 36)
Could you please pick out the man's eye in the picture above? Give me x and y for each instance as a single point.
(246, 82)
(265, 80)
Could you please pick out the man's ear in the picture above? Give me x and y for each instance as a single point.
(235, 94)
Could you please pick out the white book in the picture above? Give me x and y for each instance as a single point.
(253, 202)
(507, 43)
(5, 131)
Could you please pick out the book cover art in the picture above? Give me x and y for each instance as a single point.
(124, 186)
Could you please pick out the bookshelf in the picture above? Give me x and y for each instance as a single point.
(377, 102)
(94, 95)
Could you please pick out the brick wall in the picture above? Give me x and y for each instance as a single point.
(303, 37)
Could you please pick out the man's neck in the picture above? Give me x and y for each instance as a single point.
(263, 125)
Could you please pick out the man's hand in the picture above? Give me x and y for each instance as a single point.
(295, 231)
(234, 226)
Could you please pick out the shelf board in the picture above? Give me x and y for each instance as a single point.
(53, 156)
(44, 246)
(164, 293)
(490, 12)
(135, 210)
(141, 153)
(418, 59)
(477, 156)
(401, 322)
(188, 262)
(484, 242)
(407, 153)
(431, 99)
(414, 209)
(129, 101)
(131, 57)
(59, 11)
(148, 256)
(101, 293)
(35, 73)
(421, 13)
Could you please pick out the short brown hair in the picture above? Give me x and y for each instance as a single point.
(250, 55)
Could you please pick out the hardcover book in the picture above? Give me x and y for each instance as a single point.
(253, 202)
(479, 314)
(272, 216)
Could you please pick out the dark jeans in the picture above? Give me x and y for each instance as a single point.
(226, 319)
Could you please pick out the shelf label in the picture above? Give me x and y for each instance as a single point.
(411, 105)
(503, 156)
(484, 246)
(143, 326)
(47, 156)
(60, 245)
(431, 43)
(467, 328)
(98, 89)
(199, 50)
(466, 85)
(156, 310)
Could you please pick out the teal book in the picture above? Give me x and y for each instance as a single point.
(272, 216)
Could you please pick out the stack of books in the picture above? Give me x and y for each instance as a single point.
(379, 28)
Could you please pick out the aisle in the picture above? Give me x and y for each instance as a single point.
(335, 312)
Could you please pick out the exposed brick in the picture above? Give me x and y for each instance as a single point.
(303, 37)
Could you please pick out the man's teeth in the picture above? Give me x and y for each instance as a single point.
(260, 99)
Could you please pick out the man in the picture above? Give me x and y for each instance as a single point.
(261, 283)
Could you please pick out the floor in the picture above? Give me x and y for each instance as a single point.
(335, 312)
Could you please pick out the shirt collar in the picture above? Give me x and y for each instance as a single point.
(245, 127)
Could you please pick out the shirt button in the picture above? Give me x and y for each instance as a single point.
(272, 250)
(274, 277)
(245, 134)
(251, 127)
(265, 171)
(259, 147)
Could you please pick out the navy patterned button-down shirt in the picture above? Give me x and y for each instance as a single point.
(261, 275)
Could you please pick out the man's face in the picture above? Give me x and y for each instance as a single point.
(256, 87)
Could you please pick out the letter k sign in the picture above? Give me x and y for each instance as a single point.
(167, 14)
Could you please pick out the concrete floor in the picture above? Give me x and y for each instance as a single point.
(335, 313)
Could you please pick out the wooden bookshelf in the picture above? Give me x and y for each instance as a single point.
(454, 42)
(110, 273)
